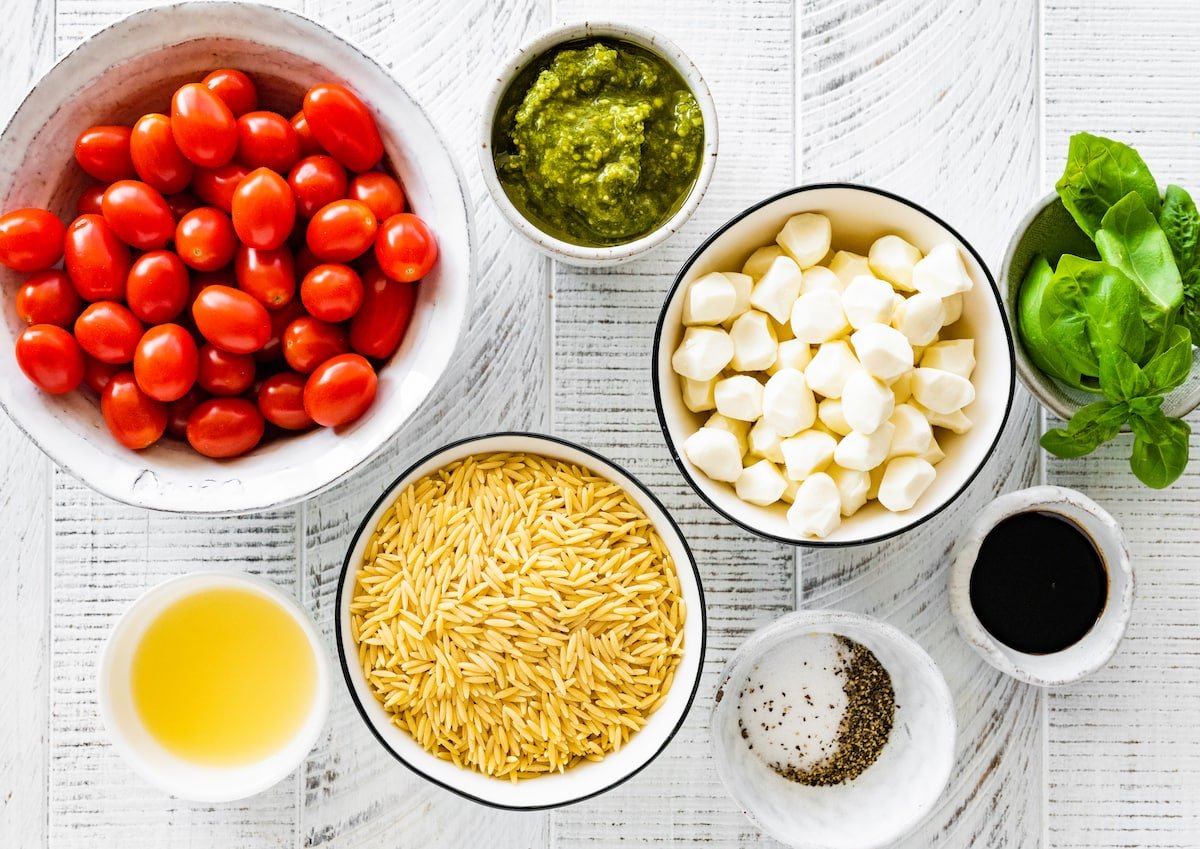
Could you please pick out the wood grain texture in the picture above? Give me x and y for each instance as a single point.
(895, 94)
(1124, 746)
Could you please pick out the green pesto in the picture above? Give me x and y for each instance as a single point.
(599, 142)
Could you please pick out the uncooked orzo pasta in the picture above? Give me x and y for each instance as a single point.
(517, 614)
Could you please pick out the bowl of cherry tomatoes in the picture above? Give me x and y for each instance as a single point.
(235, 258)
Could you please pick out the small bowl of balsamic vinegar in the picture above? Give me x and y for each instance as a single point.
(1041, 586)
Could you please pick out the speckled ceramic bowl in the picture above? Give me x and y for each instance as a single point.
(132, 68)
(533, 50)
(886, 801)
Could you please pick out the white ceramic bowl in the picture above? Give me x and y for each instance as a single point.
(131, 68)
(533, 50)
(860, 215)
(583, 780)
(886, 801)
(1099, 644)
(146, 755)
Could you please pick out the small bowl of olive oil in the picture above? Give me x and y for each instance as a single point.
(1042, 585)
(214, 686)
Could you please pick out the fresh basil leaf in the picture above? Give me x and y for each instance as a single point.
(1130, 239)
(1160, 448)
(1079, 289)
(1099, 173)
(1045, 355)
(1145, 405)
(1121, 379)
(1088, 428)
(1189, 311)
(1113, 305)
(1170, 367)
(1180, 222)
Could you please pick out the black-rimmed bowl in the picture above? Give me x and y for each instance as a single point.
(583, 780)
(860, 215)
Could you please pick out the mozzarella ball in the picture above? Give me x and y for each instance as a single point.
(754, 343)
(904, 481)
(792, 354)
(760, 484)
(955, 422)
(709, 300)
(788, 405)
(806, 238)
(913, 432)
(864, 451)
(764, 442)
(933, 454)
(818, 317)
(831, 414)
(847, 266)
(807, 453)
(743, 285)
(954, 308)
(852, 487)
(758, 263)
(831, 366)
(956, 356)
(816, 509)
(739, 397)
(868, 300)
(883, 351)
(866, 402)
(739, 429)
(919, 318)
(892, 259)
(698, 394)
(778, 289)
(941, 272)
(941, 391)
(819, 277)
(902, 387)
(703, 352)
(714, 452)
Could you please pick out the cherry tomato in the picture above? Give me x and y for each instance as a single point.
(203, 126)
(308, 145)
(264, 210)
(342, 230)
(272, 350)
(166, 362)
(96, 259)
(378, 327)
(205, 239)
(267, 140)
(281, 401)
(215, 186)
(269, 276)
(223, 373)
(96, 374)
(182, 203)
(180, 410)
(48, 298)
(156, 158)
(31, 239)
(332, 292)
(231, 319)
(90, 201)
(157, 287)
(380, 192)
(317, 181)
(103, 152)
(340, 390)
(342, 124)
(405, 248)
(50, 358)
(138, 215)
(225, 427)
(308, 342)
(134, 418)
(235, 88)
(108, 331)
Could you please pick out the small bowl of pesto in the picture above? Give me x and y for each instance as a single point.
(598, 141)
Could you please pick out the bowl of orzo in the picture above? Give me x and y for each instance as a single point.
(520, 621)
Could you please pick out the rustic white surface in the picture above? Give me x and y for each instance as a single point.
(964, 106)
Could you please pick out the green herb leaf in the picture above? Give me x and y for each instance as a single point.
(1045, 355)
(1170, 367)
(1088, 306)
(1189, 311)
(1180, 222)
(1121, 379)
(1090, 427)
(1130, 239)
(1145, 405)
(1099, 173)
(1160, 448)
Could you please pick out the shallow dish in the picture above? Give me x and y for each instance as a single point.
(533, 50)
(860, 215)
(131, 68)
(585, 779)
(886, 801)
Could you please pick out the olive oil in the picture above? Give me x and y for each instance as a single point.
(1039, 584)
(224, 677)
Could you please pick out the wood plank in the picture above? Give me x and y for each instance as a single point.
(1123, 746)
(892, 96)
(603, 325)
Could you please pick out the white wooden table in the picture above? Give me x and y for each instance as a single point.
(962, 105)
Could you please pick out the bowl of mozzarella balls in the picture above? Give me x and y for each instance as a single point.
(833, 366)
